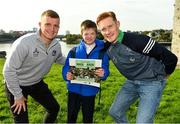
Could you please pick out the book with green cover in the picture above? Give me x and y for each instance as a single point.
(83, 71)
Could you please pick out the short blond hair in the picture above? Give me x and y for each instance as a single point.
(50, 13)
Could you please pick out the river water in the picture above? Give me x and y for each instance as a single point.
(65, 48)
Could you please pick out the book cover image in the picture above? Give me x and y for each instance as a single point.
(84, 71)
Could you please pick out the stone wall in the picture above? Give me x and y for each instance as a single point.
(175, 47)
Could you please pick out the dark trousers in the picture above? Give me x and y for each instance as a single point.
(42, 95)
(75, 101)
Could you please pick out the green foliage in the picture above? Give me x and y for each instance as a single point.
(168, 111)
(7, 37)
(72, 38)
(161, 35)
(100, 36)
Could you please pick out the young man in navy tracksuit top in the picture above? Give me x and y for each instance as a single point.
(82, 95)
(146, 65)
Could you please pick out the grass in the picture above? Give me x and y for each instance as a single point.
(168, 111)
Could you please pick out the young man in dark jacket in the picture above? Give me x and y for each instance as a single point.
(146, 65)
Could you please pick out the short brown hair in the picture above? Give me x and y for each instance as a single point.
(50, 13)
(88, 24)
(106, 15)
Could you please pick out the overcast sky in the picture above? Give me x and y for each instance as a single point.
(134, 15)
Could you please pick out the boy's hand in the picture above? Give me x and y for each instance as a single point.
(99, 72)
(69, 76)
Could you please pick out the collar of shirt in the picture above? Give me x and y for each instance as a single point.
(120, 36)
(89, 47)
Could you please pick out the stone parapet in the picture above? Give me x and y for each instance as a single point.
(175, 47)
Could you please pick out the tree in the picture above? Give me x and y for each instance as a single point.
(72, 38)
(100, 36)
(2, 31)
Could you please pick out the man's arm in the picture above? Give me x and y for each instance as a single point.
(12, 64)
(147, 46)
(156, 50)
(60, 59)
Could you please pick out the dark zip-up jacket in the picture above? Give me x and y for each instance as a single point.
(139, 57)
